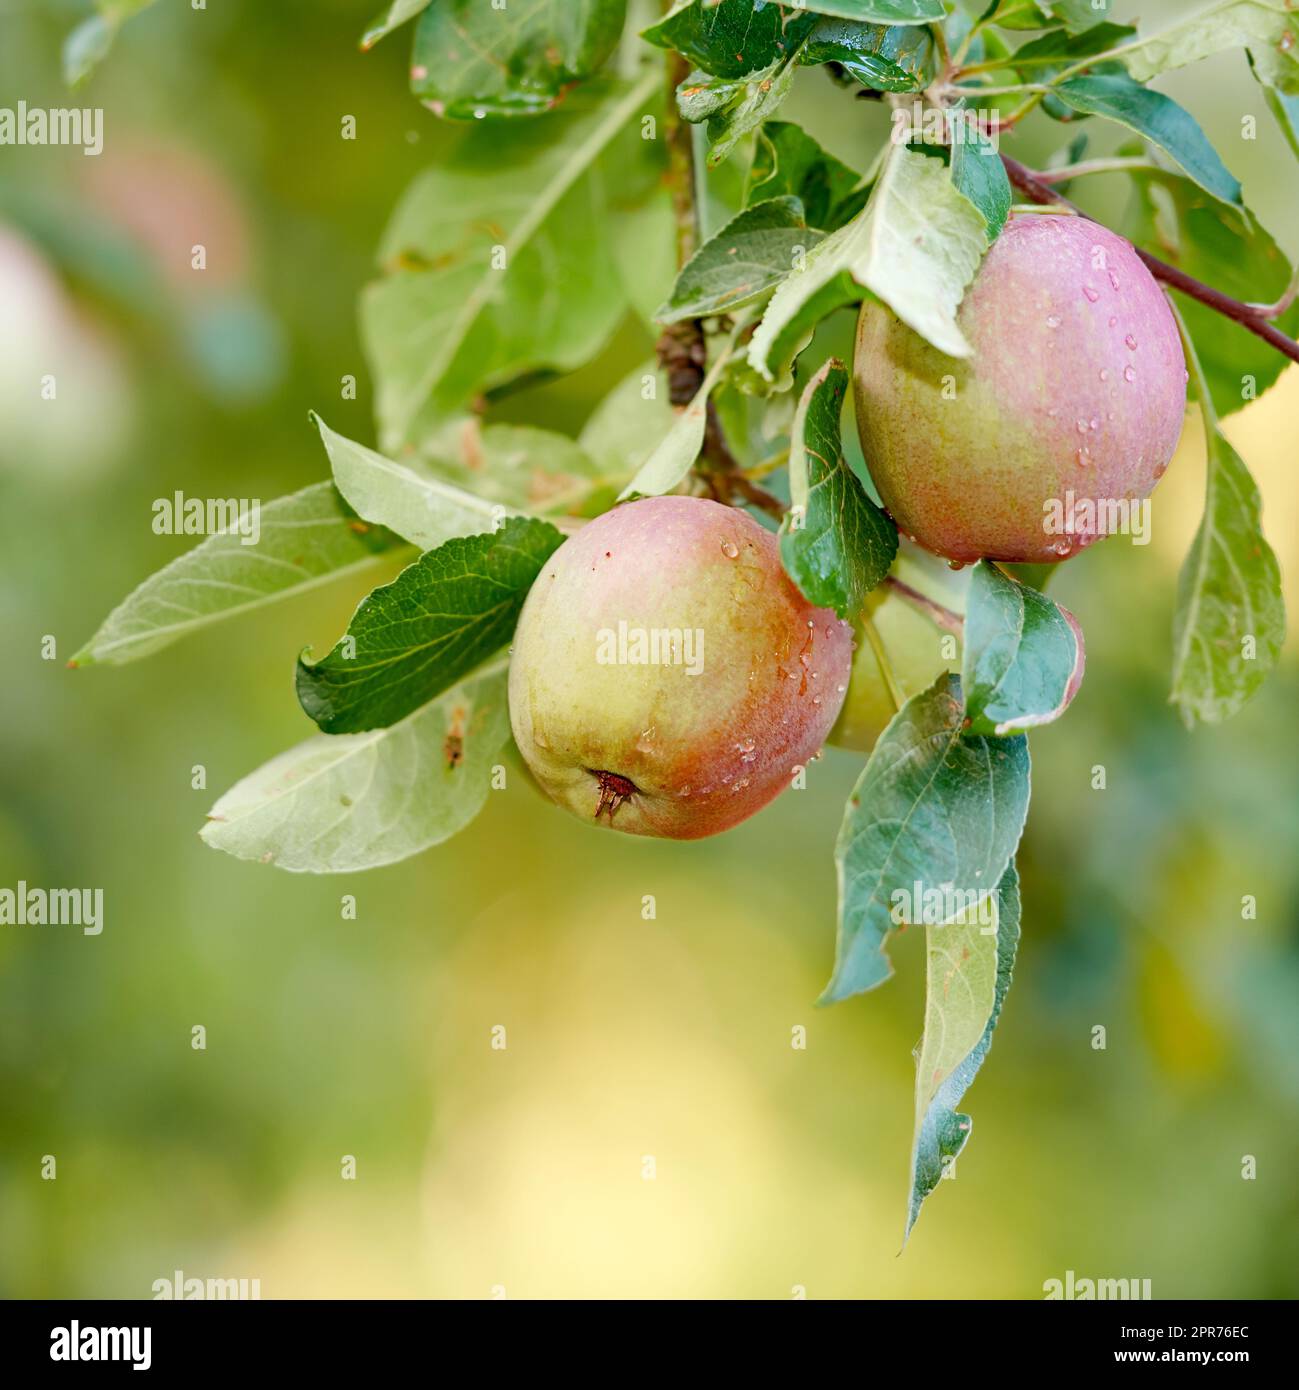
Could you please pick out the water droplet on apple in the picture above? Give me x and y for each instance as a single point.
(1131, 343)
(730, 549)
(1129, 374)
(1053, 320)
(1082, 426)
(1092, 295)
(1114, 280)
(1114, 323)
(1105, 374)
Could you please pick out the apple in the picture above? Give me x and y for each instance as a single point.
(1077, 388)
(667, 678)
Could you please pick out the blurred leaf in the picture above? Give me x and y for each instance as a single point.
(90, 42)
(1018, 14)
(1268, 29)
(1230, 620)
(1078, 15)
(393, 17)
(917, 245)
(941, 1132)
(492, 269)
(880, 11)
(933, 810)
(788, 162)
(898, 59)
(837, 544)
(1158, 119)
(472, 59)
(436, 622)
(675, 454)
(977, 171)
(1023, 655)
(521, 468)
(307, 539)
(337, 805)
(629, 423)
(744, 262)
(1234, 254)
(730, 38)
(423, 509)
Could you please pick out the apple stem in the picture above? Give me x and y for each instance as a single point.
(1253, 317)
(944, 617)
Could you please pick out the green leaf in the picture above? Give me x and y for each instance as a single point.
(421, 508)
(91, 41)
(977, 172)
(338, 805)
(1017, 14)
(393, 17)
(1230, 620)
(676, 452)
(941, 1132)
(306, 539)
(1024, 655)
(835, 544)
(1158, 119)
(1283, 106)
(743, 263)
(1040, 59)
(933, 810)
(520, 468)
(787, 162)
(794, 333)
(435, 623)
(491, 269)
(629, 423)
(730, 38)
(1268, 29)
(1230, 251)
(1078, 15)
(734, 107)
(882, 59)
(916, 245)
(880, 11)
(473, 59)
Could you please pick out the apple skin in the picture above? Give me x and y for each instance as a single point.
(651, 749)
(913, 646)
(1077, 383)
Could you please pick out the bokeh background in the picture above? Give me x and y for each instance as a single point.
(479, 1169)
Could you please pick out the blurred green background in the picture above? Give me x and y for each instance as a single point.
(480, 1169)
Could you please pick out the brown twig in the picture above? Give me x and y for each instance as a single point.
(1247, 315)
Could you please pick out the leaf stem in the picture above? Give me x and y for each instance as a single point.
(1249, 316)
(1083, 168)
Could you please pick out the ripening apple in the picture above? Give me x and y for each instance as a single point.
(667, 677)
(1075, 392)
